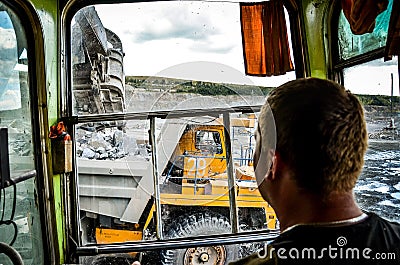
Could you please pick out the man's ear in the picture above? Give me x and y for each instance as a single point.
(275, 166)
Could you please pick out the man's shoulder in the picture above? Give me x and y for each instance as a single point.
(388, 231)
(376, 219)
(375, 233)
(373, 223)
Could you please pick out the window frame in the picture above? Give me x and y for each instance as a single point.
(298, 49)
(337, 65)
(216, 140)
(32, 28)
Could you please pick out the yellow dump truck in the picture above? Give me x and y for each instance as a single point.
(117, 197)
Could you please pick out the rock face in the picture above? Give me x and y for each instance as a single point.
(138, 100)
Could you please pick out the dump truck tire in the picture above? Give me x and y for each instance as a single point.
(195, 225)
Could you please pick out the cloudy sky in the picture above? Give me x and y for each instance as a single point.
(158, 37)
(373, 78)
(10, 95)
(168, 38)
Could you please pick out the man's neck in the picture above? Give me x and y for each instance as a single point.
(309, 209)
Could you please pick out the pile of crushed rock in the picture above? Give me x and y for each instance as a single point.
(108, 143)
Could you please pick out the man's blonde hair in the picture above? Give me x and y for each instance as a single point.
(321, 134)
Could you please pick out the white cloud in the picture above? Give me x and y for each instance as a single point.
(7, 39)
(160, 35)
(373, 78)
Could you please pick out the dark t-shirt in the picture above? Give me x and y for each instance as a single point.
(371, 241)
